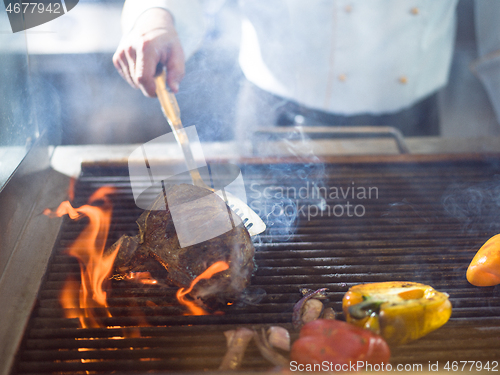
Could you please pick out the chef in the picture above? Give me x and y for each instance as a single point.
(342, 62)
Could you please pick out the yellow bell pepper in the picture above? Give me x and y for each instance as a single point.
(398, 311)
(484, 269)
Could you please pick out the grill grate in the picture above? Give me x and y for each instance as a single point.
(425, 225)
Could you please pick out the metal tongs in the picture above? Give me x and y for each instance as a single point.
(251, 220)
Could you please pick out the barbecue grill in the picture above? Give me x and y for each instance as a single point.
(421, 218)
(424, 220)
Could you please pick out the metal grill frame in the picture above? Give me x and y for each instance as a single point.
(273, 259)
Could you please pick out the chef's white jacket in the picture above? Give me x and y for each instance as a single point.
(342, 56)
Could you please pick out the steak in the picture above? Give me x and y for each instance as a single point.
(158, 246)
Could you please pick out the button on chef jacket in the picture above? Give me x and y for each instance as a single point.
(342, 56)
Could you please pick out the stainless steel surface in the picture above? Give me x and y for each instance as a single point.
(26, 242)
(18, 122)
(68, 159)
(327, 133)
(27, 186)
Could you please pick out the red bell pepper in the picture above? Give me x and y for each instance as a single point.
(337, 345)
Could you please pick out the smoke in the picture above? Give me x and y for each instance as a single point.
(276, 199)
(397, 211)
(476, 207)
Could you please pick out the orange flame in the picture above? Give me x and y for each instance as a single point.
(142, 278)
(71, 189)
(207, 274)
(95, 266)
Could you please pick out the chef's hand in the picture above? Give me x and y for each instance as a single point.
(153, 40)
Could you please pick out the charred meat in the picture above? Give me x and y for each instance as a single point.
(203, 214)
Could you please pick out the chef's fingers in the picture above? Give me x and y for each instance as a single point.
(146, 61)
(175, 66)
(116, 62)
(130, 56)
(120, 63)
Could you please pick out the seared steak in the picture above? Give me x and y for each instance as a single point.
(203, 215)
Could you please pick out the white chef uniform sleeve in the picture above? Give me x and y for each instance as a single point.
(487, 66)
(187, 15)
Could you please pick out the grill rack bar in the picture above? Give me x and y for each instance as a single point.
(406, 234)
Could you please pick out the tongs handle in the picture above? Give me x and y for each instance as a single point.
(173, 114)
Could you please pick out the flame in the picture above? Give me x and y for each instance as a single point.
(95, 266)
(141, 277)
(207, 274)
(69, 295)
(71, 189)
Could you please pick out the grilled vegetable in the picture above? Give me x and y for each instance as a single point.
(312, 310)
(338, 343)
(267, 351)
(328, 313)
(398, 311)
(279, 338)
(298, 309)
(237, 342)
(484, 270)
